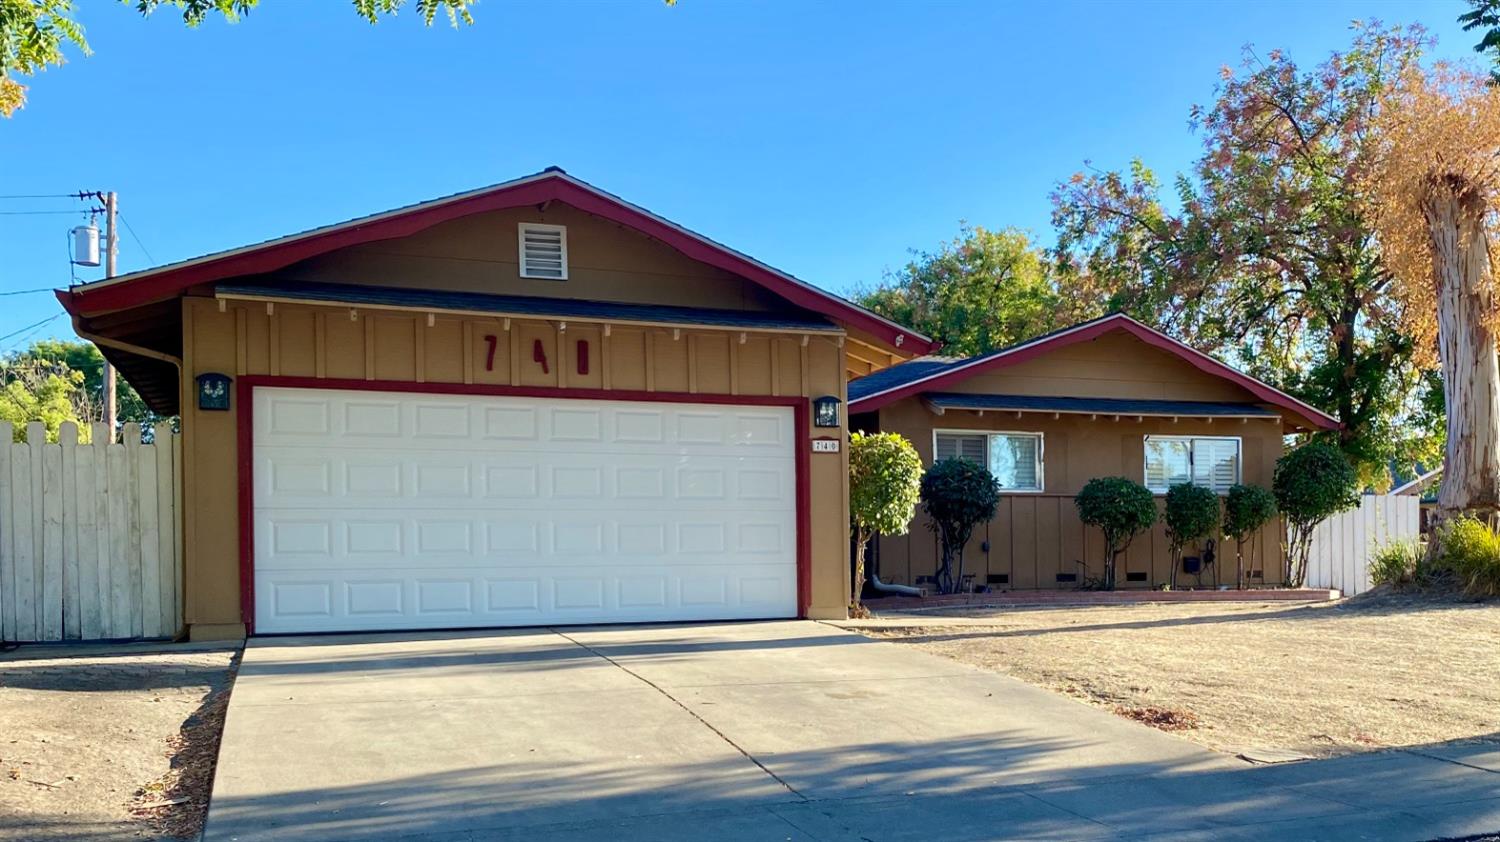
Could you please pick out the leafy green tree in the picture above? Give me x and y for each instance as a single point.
(33, 33)
(885, 482)
(1121, 508)
(1485, 14)
(957, 495)
(1311, 484)
(85, 359)
(32, 390)
(984, 290)
(1246, 509)
(1191, 514)
(1264, 252)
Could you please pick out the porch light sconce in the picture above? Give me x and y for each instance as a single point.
(213, 391)
(826, 411)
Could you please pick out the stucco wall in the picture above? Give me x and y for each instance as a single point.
(324, 342)
(1034, 537)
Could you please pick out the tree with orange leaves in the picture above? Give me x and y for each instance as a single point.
(1434, 190)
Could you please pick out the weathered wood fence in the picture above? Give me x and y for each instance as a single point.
(89, 535)
(1343, 544)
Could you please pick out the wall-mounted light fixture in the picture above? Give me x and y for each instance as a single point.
(213, 391)
(826, 411)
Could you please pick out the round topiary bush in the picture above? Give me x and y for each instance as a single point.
(957, 495)
(1311, 484)
(1246, 509)
(885, 477)
(1192, 513)
(1120, 508)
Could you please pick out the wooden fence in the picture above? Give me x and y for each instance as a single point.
(1343, 544)
(89, 535)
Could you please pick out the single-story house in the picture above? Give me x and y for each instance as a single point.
(533, 403)
(1108, 397)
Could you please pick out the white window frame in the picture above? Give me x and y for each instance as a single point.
(1041, 453)
(1239, 458)
(562, 232)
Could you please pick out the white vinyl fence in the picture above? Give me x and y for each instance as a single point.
(89, 545)
(1343, 544)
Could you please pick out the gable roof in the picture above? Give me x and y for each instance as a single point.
(552, 184)
(933, 374)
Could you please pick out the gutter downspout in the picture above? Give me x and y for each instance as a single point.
(138, 350)
(904, 590)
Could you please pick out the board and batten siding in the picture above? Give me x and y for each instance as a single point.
(386, 346)
(1034, 537)
(89, 535)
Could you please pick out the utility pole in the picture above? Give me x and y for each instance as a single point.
(111, 241)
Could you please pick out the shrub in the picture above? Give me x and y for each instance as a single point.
(1311, 483)
(1246, 509)
(1120, 508)
(1192, 513)
(885, 477)
(1470, 551)
(957, 495)
(1397, 563)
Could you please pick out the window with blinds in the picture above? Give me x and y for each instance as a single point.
(1212, 462)
(1014, 458)
(544, 251)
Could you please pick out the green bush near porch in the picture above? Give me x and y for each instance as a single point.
(1121, 508)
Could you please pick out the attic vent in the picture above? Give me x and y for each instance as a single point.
(544, 251)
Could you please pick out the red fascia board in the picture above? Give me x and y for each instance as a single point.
(1197, 359)
(169, 281)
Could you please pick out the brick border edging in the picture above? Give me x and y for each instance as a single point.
(905, 603)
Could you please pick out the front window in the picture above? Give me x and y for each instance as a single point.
(1210, 461)
(1014, 458)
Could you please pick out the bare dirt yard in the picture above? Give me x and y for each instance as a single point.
(1377, 671)
(109, 742)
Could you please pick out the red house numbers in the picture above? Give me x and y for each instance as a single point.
(538, 354)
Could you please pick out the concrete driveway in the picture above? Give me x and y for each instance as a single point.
(753, 731)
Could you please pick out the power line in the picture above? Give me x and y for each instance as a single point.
(137, 239)
(33, 326)
(42, 196)
(34, 331)
(25, 291)
(46, 212)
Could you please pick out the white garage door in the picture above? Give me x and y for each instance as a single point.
(377, 510)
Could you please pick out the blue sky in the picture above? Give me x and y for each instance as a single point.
(825, 138)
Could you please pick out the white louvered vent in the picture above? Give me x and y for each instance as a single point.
(544, 251)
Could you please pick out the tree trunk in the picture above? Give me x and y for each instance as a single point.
(861, 540)
(1466, 345)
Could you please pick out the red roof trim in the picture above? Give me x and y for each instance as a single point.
(156, 284)
(1083, 333)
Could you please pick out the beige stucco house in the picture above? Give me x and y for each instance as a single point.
(1109, 397)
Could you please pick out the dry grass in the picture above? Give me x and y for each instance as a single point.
(1377, 671)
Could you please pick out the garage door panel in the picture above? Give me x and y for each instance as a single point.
(452, 423)
(444, 598)
(297, 477)
(384, 510)
(331, 540)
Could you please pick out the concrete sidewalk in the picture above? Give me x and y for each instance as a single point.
(782, 731)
